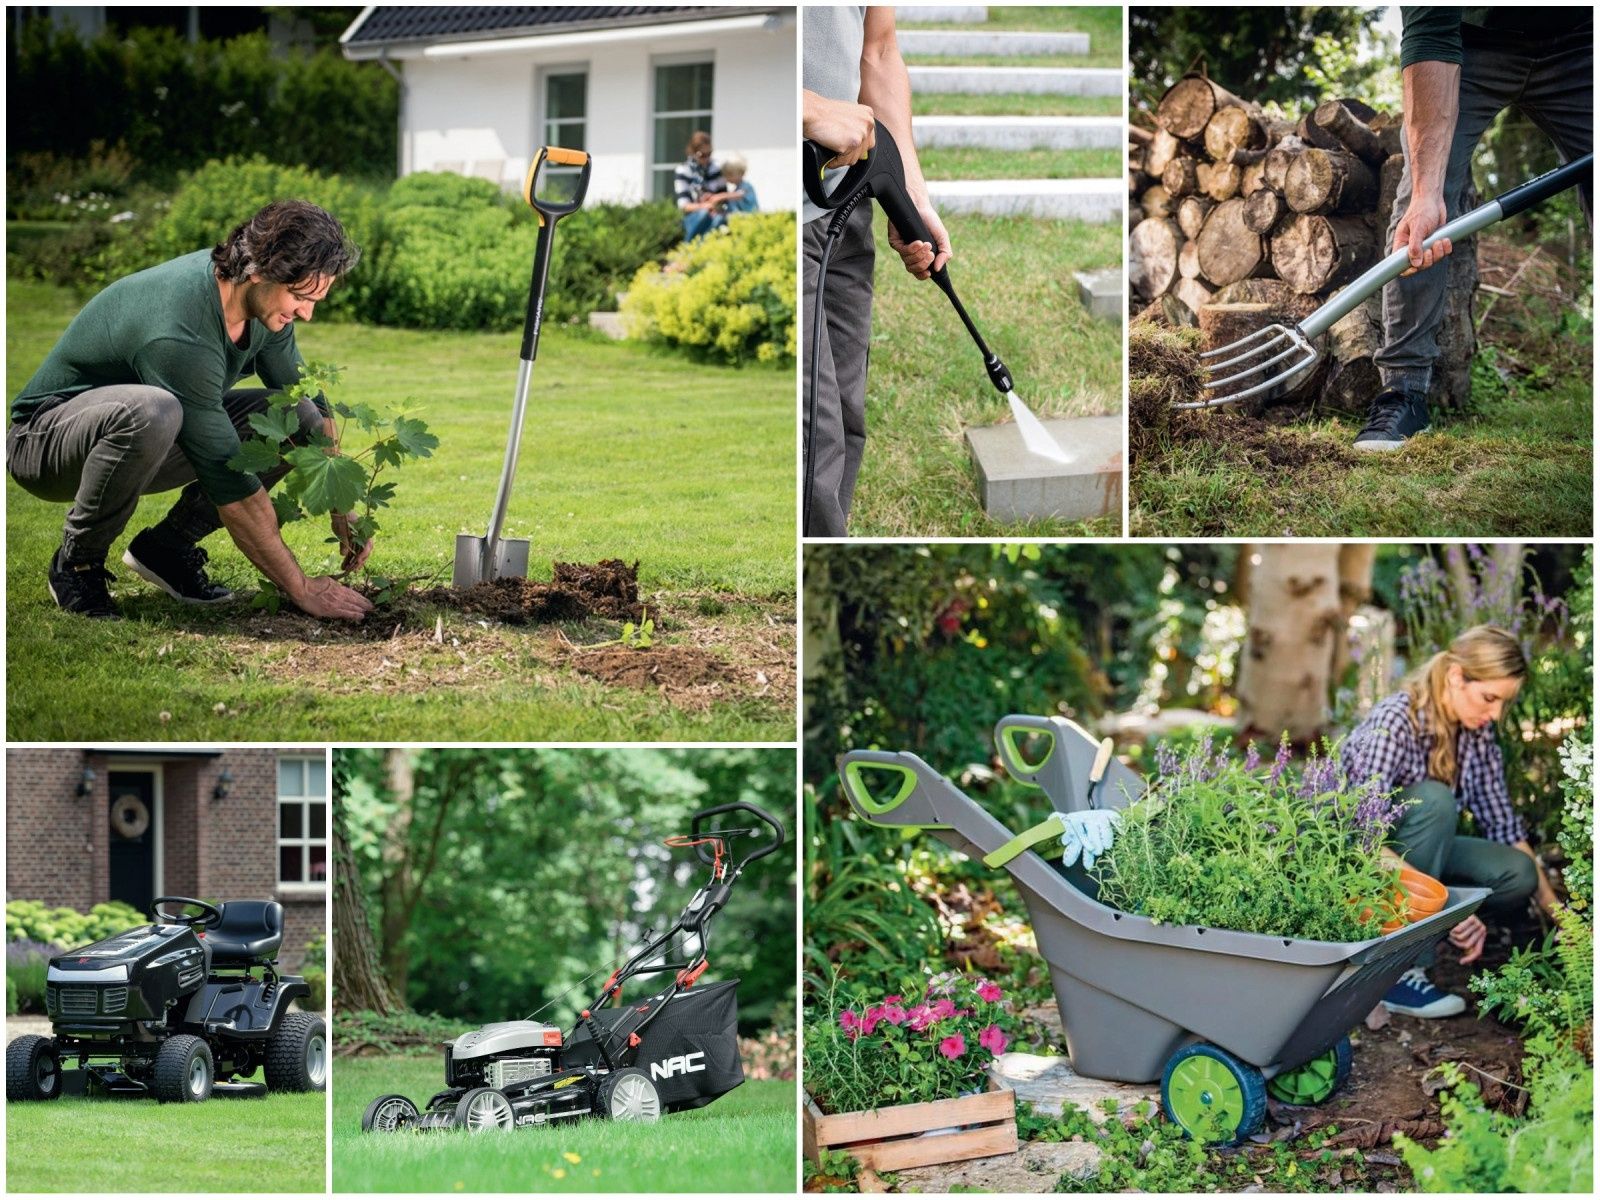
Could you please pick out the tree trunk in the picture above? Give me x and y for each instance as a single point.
(1181, 176)
(1388, 193)
(1458, 334)
(1228, 249)
(1314, 134)
(1334, 119)
(1153, 257)
(1275, 167)
(1314, 254)
(396, 887)
(1190, 104)
(1156, 203)
(1386, 127)
(1329, 181)
(1294, 622)
(1189, 260)
(1263, 209)
(824, 649)
(1352, 380)
(1194, 294)
(1355, 589)
(1253, 178)
(1161, 150)
(358, 980)
(1220, 181)
(1192, 214)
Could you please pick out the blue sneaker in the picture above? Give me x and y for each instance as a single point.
(1413, 996)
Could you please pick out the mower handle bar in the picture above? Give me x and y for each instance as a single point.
(779, 834)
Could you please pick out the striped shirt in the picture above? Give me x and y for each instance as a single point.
(1386, 746)
(690, 180)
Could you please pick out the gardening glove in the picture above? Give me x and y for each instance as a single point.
(1088, 834)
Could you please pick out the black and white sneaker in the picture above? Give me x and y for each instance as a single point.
(1393, 417)
(81, 588)
(179, 571)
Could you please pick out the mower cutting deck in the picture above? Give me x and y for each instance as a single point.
(677, 1049)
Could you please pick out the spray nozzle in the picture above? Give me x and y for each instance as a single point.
(998, 375)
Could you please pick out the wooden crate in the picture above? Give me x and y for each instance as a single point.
(885, 1139)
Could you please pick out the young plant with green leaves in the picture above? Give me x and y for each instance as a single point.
(327, 475)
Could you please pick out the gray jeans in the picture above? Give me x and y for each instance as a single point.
(1426, 838)
(102, 450)
(839, 434)
(1556, 93)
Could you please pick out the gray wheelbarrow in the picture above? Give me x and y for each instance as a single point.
(1217, 1016)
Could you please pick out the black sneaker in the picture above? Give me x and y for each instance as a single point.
(1393, 417)
(81, 588)
(179, 571)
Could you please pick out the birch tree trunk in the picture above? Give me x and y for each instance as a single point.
(1295, 624)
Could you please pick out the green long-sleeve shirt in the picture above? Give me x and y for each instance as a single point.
(164, 327)
(1438, 34)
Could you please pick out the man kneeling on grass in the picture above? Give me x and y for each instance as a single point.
(138, 397)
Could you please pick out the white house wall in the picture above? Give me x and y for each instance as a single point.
(482, 109)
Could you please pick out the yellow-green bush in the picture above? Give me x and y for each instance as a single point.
(34, 920)
(728, 296)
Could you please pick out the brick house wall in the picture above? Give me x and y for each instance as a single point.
(57, 842)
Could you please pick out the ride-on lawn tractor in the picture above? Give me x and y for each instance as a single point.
(175, 1010)
(632, 1061)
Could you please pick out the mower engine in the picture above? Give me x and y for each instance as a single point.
(503, 1054)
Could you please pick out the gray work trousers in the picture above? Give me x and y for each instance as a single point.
(838, 435)
(1557, 94)
(102, 450)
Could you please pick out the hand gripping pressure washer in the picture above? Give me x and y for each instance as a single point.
(881, 176)
(677, 1049)
(479, 559)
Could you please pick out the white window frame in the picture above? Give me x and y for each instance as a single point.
(695, 58)
(300, 887)
(542, 102)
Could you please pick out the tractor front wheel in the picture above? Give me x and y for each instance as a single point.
(33, 1069)
(297, 1055)
(183, 1072)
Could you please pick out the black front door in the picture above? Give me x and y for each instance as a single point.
(131, 823)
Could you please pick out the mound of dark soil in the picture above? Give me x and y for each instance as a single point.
(608, 589)
(669, 667)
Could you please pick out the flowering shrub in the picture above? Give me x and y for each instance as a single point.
(904, 1049)
(1226, 844)
(27, 962)
(66, 928)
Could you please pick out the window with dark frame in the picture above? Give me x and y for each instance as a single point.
(683, 96)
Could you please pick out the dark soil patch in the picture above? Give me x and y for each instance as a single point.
(608, 589)
(661, 668)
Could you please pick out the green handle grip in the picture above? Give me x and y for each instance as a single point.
(1009, 731)
(861, 794)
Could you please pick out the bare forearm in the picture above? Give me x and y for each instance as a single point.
(253, 525)
(886, 89)
(1432, 94)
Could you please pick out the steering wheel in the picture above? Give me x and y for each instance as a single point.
(209, 916)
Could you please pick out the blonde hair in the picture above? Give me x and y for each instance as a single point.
(1482, 652)
(736, 164)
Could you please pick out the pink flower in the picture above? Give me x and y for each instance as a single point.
(943, 1008)
(919, 1018)
(869, 1023)
(953, 1046)
(992, 1040)
(989, 992)
(893, 1014)
(849, 1021)
(891, 1000)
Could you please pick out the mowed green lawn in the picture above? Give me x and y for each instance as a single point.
(74, 1144)
(741, 1142)
(628, 453)
(926, 384)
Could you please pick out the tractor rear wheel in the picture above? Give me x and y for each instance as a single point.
(33, 1069)
(297, 1055)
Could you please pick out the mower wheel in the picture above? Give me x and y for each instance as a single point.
(297, 1055)
(33, 1069)
(389, 1114)
(183, 1071)
(483, 1109)
(628, 1095)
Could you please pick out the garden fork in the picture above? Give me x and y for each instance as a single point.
(1293, 344)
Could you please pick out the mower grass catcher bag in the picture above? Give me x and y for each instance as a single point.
(690, 1049)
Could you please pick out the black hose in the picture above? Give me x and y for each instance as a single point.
(841, 217)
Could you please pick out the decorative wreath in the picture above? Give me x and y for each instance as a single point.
(130, 817)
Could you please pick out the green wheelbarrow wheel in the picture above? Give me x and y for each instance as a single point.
(1314, 1081)
(1213, 1096)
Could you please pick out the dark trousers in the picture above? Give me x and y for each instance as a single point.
(102, 450)
(1557, 94)
(838, 435)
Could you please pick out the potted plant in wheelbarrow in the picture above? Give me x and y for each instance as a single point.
(901, 1080)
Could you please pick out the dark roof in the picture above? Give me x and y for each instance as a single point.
(389, 25)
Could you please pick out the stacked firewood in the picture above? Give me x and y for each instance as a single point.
(1240, 219)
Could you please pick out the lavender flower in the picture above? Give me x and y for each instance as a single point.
(1166, 761)
(1375, 813)
(1252, 757)
(1280, 761)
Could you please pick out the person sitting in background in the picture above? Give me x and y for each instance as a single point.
(696, 185)
(741, 195)
(1434, 740)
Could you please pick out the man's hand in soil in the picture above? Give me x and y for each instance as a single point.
(354, 558)
(921, 259)
(325, 596)
(1468, 937)
(846, 128)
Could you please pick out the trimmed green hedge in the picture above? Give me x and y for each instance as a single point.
(68, 928)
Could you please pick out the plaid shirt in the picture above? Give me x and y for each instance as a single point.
(691, 179)
(1385, 745)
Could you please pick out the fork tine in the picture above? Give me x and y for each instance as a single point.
(1250, 353)
(1310, 357)
(1261, 366)
(1268, 331)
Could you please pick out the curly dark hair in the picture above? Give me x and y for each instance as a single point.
(286, 242)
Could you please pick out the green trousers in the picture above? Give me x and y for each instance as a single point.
(1426, 838)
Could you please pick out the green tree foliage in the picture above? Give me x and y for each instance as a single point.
(1261, 53)
(534, 868)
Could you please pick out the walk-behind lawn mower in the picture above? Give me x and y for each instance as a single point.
(179, 1009)
(623, 1060)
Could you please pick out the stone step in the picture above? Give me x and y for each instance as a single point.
(1092, 200)
(608, 323)
(1100, 292)
(952, 14)
(968, 42)
(1016, 485)
(1053, 81)
(1021, 133)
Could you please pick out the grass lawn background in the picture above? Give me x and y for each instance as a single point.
(627, 453)
(741, 1142)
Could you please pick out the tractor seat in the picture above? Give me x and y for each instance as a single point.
(250, 931)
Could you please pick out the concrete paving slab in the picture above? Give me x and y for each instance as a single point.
(1021, 133)
(1050, 1084)
(1054, 81)
(1017, 485)
(1101, 292)
(1092, 200)
(971, 42)
(953, 14)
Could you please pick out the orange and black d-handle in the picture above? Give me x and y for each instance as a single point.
(548, 213)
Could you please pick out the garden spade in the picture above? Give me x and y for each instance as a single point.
(480, 559)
